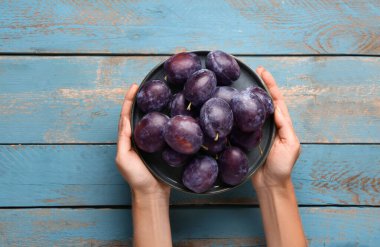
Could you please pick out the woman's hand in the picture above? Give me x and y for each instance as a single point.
(286, 147)
(272, 182)
(150, 198)
(131, 167)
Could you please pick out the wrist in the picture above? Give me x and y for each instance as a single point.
(284, 189)
(265, 181)
(157, 199)
(150, 214)
(282, 223)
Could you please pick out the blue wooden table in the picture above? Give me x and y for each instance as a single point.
(65, 65)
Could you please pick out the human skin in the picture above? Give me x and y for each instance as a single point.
(150, 198)
(273, 183)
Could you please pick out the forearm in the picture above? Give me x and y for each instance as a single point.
(282, 222)
(151, 221)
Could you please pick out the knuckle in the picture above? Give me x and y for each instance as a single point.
(295, 143)
(297, 147)
(117, 160)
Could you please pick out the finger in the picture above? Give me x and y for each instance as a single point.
(125, 132)
(271, 84)
(284, 128)
(124, 137)
(275, 93)
(260, 70)
(128, 100)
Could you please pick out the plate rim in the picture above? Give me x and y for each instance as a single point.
(212, 192)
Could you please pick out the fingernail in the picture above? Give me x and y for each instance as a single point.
(122, 123)
(260, 67)
(278, 109)
(120, 126)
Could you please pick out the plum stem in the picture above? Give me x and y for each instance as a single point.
(166, 78)
(204, 147)
(216, 137)
(189, 107)
(261, 151)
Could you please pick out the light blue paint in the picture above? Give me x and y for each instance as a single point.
(253, 27)
(78, 99)
(77, 175)
(80, 227)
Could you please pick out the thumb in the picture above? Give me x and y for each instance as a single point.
(285, 130)
(125, 132)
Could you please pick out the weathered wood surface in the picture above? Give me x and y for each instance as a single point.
(238, 26)
(222, 226)
(77, 175)
(78, 99)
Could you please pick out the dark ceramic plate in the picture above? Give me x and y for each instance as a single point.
(172, 176)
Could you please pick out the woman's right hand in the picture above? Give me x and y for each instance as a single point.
(286, 147)
(130, 165)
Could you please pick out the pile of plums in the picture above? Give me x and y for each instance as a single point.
(210, 124)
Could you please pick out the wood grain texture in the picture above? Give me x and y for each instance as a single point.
(237, 26)
(77, 175)
(220, 226)
(78, 99)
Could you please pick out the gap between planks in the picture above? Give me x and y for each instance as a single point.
(60, 54)
(114, 143)
(188, 206)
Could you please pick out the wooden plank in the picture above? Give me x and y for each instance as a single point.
(254, 27)
(77, 175)
(222, 226)
(78, 99)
